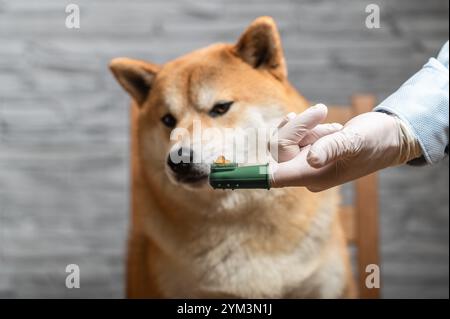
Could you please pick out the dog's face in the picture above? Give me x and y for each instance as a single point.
(197, 107)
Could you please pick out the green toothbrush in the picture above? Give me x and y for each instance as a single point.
(227, 175)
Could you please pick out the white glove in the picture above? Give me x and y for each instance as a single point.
(296, 131)
(290, 145)
(367, 143)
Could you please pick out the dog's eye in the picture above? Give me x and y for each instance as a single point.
(220, 109)
(169, 121)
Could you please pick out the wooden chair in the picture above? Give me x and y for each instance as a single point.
(360, 219)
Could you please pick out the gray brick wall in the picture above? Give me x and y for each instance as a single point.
(63, 126)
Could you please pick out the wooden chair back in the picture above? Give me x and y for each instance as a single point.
(360, 219)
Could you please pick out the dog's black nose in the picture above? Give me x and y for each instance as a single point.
(181, 161)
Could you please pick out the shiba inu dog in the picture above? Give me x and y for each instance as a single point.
(190, 241)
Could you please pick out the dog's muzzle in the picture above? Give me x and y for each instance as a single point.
(181, 164)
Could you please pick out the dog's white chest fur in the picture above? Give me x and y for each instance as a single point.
(254, 277)
(217, 262)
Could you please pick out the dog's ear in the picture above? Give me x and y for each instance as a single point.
(135, 76)
(260, 46)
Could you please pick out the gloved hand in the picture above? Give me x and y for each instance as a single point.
(367, 143)
(297, 131)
